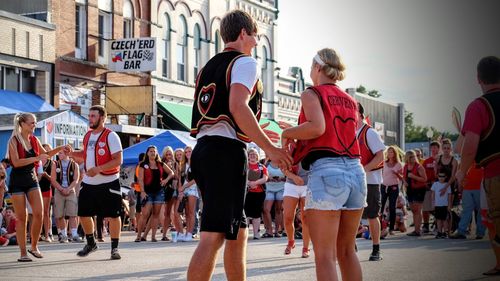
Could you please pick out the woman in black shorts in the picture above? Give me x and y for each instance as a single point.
(415, 182)
(254, 201)
(168, 158)
(25, 154)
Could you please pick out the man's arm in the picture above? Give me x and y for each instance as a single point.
(379, 157)
(238, 106)
(76, 177)
(469, 150)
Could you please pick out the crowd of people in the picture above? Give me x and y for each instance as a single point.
(330, 180)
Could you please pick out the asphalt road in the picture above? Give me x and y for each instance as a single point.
(405, 258)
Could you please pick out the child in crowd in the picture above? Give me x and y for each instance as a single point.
(442, 204)
(8, 234)
(401, 213)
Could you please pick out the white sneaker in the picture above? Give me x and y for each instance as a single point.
(181, 237)
(188, 237)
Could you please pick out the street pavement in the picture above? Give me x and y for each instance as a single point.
(405, 258)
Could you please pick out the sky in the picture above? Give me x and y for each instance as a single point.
(422, 53)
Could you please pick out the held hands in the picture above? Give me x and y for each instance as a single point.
(280, 157)
(68, 149)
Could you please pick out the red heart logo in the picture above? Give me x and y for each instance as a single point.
(345, 138)
(49, 126)
(205, 98)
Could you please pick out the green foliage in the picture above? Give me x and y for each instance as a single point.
(371, 93)
(418, 133)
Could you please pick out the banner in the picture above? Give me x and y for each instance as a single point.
(133, 54)
(69, 95)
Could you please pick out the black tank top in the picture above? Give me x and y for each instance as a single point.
(44, 182)
(446, 169)
(155, 185)
(24, 176)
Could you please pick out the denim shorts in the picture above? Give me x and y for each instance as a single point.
(274, 195)
(336, 183)
(192, 191)
(156, 198)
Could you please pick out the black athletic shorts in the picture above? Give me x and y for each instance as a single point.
(441, 212)
(219, 167)
(374, 202)
(100, 200)
(416, 195)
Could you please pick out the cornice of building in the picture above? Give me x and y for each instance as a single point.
(26, 20)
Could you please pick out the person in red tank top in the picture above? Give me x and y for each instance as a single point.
(25, 153)
(415, 181)
(100, 193)
(326, 143)
(429, 166)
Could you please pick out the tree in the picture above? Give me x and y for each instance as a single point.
(361, 89)
(417, 133)
(372, 93)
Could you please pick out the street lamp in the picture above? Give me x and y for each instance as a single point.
(429, 135)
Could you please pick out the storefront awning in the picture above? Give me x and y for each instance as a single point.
(14, 102)
(273, 125)
(175, 116)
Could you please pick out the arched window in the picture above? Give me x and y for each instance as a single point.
(182, 49)
(217, 42)
(197, 50)
(166, 47)
(128, 19)
(264, 69)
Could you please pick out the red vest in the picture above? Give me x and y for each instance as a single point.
(101, 151)
(21, 153)
(148, 174)
(413, 183)
(366, 153)
(340, 111)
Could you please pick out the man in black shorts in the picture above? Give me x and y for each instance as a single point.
(100, 194)
(227, 106)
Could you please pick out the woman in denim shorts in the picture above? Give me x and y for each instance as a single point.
(152, 185)
(326, 144)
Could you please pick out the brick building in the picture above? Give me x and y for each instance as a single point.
(84, 31)
(26, 54)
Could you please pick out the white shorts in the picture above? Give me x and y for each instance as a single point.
(296, 191)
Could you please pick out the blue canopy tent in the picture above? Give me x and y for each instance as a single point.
(175, 139)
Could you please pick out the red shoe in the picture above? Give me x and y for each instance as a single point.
(289, 247)
(305, 252)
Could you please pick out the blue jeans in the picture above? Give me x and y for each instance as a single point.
(470, 203)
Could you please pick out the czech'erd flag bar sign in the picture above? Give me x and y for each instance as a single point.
(133, 54)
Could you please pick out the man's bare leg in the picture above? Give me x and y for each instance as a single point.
(202, 263)
(235, 257)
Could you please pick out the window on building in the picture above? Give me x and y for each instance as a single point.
(12, 79)
(104, 29)
(182, 49)
(166, 47)
(197, 50)
(264, 72)
(28, 81)
(217, 42)
(80, 32)
(128, 19)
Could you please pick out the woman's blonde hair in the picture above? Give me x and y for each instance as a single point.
(180, 165)
(332, 66)
(167, 149)
(398, 152)
(18, 119)
(409, 154)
